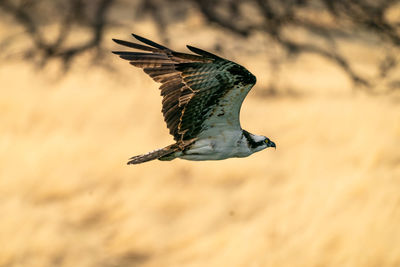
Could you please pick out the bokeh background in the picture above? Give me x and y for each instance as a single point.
(71, 114)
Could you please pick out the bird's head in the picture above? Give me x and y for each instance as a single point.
(258, 142)
(263, 144)
(269, 143)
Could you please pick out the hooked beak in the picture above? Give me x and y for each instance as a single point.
(271, 144)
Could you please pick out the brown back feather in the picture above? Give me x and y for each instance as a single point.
(200, 80)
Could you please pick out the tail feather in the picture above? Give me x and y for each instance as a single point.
(156, 154)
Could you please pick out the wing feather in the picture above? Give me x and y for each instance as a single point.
(149, 42)
(192, 85)
(134, 45)
(202, 52)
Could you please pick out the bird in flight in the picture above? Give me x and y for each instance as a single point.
(202, 96)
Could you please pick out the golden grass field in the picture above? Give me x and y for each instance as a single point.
(328, 196)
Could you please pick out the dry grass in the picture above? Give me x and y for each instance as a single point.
(328, 196)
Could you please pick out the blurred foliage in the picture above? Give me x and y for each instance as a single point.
(329, 22)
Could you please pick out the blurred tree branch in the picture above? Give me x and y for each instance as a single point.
(42, 49)
(327, 20)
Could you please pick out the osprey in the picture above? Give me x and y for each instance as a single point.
(202, 95)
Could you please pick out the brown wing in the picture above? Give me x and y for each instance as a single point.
(191, 84)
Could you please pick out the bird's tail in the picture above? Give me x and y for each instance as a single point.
(165, 153)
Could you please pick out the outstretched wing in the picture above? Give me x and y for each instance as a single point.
(196, 89)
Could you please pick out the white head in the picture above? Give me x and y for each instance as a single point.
(257, 142)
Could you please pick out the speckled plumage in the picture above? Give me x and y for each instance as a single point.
(202, 95)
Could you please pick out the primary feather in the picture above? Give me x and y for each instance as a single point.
(202, 93)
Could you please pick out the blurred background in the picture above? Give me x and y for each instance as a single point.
(71, 114)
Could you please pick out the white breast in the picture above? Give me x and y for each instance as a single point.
(222, 136)
(225, 144)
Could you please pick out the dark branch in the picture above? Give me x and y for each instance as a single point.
(328, 21)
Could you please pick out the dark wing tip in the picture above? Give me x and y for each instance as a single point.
(136, 46)
(118, 41)
(201, 52)
(138, 37)
(149, 42)
(123, 54)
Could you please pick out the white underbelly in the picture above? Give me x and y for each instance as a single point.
(224, 145)
(222, 137)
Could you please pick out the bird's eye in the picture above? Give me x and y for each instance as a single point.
(266, 140)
